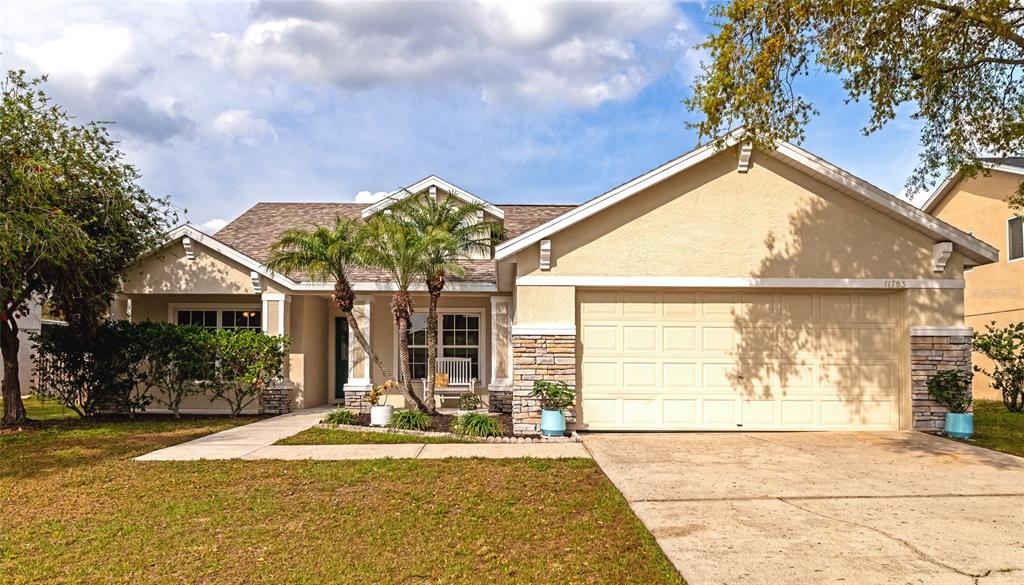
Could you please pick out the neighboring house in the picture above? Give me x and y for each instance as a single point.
(27, 325)
(724, 290)
(994, 292)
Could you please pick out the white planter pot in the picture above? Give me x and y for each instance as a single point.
(380, 416)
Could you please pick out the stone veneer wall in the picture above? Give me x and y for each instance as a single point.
(930, 352)
(277, 399)
(539, 357)
(356, 399)
(500, 400)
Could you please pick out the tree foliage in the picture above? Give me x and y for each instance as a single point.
(453, 231)
(1005, 347)
(960, 62)
(72, 218)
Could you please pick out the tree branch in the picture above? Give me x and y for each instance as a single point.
(993, 23)
(980, 61)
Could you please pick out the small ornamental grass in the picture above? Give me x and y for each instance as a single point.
(410, 420)
(340, 416)
(475, 424)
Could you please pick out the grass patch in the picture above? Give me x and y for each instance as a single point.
(78, 509)
(318, 436)
(39, 409)
(997, 428)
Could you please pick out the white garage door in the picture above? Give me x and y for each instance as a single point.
(738, 360)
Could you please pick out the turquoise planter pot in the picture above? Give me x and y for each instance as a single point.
(960, 426)
(552, 423)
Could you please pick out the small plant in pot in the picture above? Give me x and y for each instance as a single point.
(380, 414)
(468, 402)
(555, 397)
(952, 389)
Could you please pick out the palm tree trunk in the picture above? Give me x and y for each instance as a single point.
(401, 307)
(428, 390)
(14, 409)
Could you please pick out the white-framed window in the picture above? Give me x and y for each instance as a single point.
(219, 318)
(458, 335)
(1015, 238)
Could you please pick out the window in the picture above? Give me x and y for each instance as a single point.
(226, 319)
(1015, 238)
(246, 319)
(458, 336)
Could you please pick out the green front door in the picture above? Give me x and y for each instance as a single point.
(340, 357)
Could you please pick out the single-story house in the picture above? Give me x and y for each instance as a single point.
(728, 289)
(978, 206)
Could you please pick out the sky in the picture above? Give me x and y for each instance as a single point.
(222, 105)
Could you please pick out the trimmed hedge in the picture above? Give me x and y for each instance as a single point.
(125, 367)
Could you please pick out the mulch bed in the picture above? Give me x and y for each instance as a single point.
(442, 423)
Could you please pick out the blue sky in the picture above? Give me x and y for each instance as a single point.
(221, 105)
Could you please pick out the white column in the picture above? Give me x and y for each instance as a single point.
(501, 342)
(360, 367)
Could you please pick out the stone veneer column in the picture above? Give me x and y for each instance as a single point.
(277, 399)
(539, 357)
(933, 349)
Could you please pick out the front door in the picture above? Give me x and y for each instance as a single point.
(340, 357)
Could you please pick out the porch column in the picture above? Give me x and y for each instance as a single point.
(499, 390)
(279, 398)
(360, 368)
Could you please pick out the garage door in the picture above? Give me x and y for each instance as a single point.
(718, 360)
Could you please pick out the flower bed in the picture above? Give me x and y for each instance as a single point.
(443, 421)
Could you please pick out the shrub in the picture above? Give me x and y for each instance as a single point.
(340, 416)
(469, 401)
(410, 420)
(475, 424)
(553, 395)
(952, 389)
(247, 363)
(124, 366)
(92, 374)
(1005, 347)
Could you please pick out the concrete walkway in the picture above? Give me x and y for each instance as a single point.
(256, 441)
(811, 508)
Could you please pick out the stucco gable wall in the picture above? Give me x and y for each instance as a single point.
(171, 272)
(711, 221)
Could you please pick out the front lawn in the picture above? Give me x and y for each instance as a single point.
(38, 409)
(318, 436)
(997, 428)
(78, 509)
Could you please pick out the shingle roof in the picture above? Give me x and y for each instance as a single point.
(255, 231)
(1013, 161)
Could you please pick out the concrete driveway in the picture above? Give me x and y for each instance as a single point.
(816, 508)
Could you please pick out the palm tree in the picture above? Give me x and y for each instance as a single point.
(400, 251)
(328, 254)
(452, 231)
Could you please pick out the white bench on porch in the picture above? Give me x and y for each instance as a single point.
(460, 377)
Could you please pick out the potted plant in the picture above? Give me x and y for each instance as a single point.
(952, 389)
(468, 402)
(555, 397)
(380, 414)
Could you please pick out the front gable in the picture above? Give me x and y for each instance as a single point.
(186, 265)
(714, 219)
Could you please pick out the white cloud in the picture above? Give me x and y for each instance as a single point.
(368, 197)
(212, 226)
(83, 52)
(579, 55)
(240, 125)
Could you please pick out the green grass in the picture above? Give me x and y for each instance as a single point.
(318, 436)
(78, 509)
(39, 409)
(997, 428)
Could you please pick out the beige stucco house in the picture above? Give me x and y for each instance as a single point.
(994, 292)
(727, 289)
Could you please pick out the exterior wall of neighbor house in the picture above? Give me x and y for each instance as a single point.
(27, 325)
(711, 221)
(995, 292)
